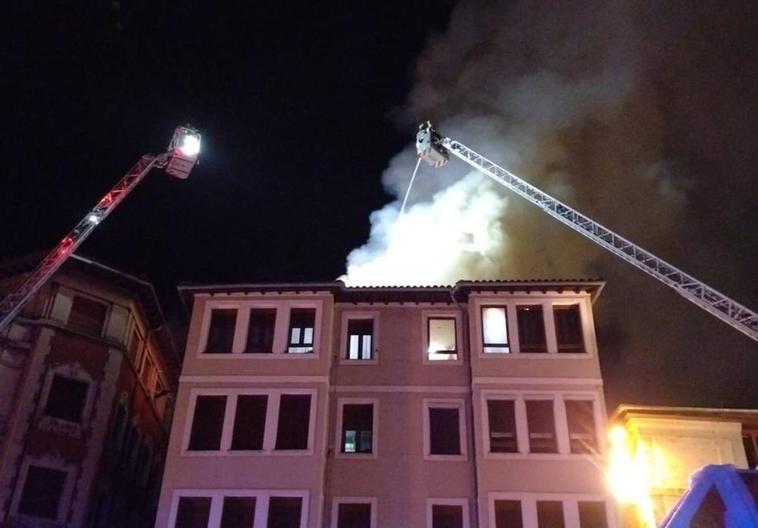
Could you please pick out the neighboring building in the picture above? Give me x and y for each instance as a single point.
(87, 376)
(671, 443)
(318, 405)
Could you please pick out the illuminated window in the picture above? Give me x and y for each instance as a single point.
(581, 426)
(441, 344)
(568, 329)
(508, 514)
(495, 330)
(284, 512)
(193, 512)
(550, 514)
(207, 423)
(249, 422)
(87, 315)
(541, 425)
(531, 328)
(42, 492)
(302, 323)
(357, 428)
(293, 423)
(66, 399)
(354, 515)
(360, 336)
(260, 331)
(221, 331)
(237, 512)
(502, 422)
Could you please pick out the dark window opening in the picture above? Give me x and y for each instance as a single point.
(66, 399)
(360, 336)
(447, 516)
(495, 330)
(541, 424)
(260, 331)
(531, 329)
(284, 512)
(294, 418)
(444, 432)
(238, 512)
(302, 324)
(357, 428)
(568, 329)
(207, 423)
(508, 514)
(441, 343)
(592, 515)
(581, 426)
(249, 422)
(750, 443)
(550, 514)
(87, 315)
(221, 331)
(134, 347)
(502, 420)
(354, 515)
(42, 492)
(193, 512)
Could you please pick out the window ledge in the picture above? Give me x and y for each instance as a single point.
(446, 458)
(344, 361)
(356, 456)
(241, 453)
(574, 457)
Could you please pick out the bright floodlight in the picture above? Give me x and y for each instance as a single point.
(190, 144)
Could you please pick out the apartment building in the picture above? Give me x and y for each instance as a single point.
(320, 405)
(88, 374)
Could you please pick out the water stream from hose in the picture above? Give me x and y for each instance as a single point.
(402, 208)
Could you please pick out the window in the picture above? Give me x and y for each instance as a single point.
(87, 315)
(581, 426)
(531, 328)
(447, 516)
(66, 399)
(260, 331)
(592, 514)
(508, 514)
(42, 492)
(568, 329)
(207, 423)
(238, 512)
(284, 512)
(134, 346)
(360, 336)
(357, 428)
(550, 514)
(249, 422)
(502, 426)
(441, 339)
(495, 330)
(354, 515)
(750, 442)
(444, 431)
(193, 512)
(302, 324)
(221, 331)
(294, 418)
(541, 426)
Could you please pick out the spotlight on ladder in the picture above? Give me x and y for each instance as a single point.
(183, 151)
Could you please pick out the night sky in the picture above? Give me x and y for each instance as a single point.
(303, 105)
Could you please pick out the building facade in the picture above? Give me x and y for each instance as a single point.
(669, 445)
(320, 405)
(88, 373)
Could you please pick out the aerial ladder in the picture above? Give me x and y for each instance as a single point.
(178, 161)
(435, 150)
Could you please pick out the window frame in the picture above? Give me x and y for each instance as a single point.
(262, 499)
(271, 423)
(549, 333)
(341, 402)
(508, 330)
(48, 462)
(336, 501)
(486, 417)
(281, 328)
(75, 372)
(446, 403)
(570, 503)
(582, 350)
(428, 315)
(559, 416)
(302, 344)
(106, 317)
(435, 501)
(351, 315)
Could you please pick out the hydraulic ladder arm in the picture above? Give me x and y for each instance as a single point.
(434, 148)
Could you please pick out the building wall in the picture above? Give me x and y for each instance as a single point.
(44, 348)
(399, 477)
